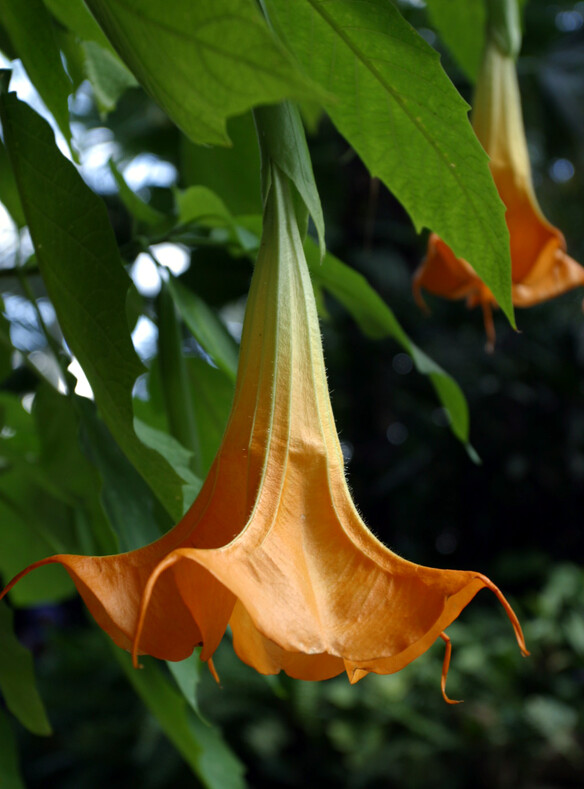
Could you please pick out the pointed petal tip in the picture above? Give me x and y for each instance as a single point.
(445, 667)
(213, 671)
(12, 583)
(509, 611)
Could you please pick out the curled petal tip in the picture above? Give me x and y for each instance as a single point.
(213, 671)
(452, 701)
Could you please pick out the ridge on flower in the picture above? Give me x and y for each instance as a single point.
(273, 545)
(540, 267)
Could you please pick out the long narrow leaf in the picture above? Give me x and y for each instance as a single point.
(200, 746)
(83, 273)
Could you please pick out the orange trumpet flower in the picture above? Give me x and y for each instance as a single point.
(273, 544)
(540, 267)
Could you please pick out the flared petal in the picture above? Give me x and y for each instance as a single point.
(316, 592)
(273, 544)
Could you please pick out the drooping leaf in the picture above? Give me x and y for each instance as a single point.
(17, 681)
(187, 674)
(377, 320)
(73, 479)
(199, 203)
(83, 273)
(461, 26)
(400, 112)
(8, 190)
(174, 381)
(130, 505)
(201, 746)
(135, 205)
(26, 536)
(231, 172)
(212, 393)
(178, 457)
(202, 62)
(6, 350)
(10, 777)
(206, 327)
(30, 28)
(75, 16)
(108, 76)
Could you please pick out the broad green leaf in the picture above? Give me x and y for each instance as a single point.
(30, 28)
(135, 205)
(461, 26)
(206, 328)
(400, 112)
(377, 320)
(17, 681)
(231, 172)
(81, 267)
(109, 78)
(201, 61)
(10, 777)
(130, 506)
(282, 140)
(178, 457)
(212, 393)
(8, 190)
(75, 16)
(201, 746)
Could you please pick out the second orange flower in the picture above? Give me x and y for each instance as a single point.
(540, 267)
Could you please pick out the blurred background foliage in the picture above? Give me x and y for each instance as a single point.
(516, 517)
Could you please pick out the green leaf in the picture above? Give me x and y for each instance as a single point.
(81, 267)
(130, 506)
(461, 26)
(135, 205)
(8, 189)
(201, 746)
(232, 172)
(200, 204)
(377, 320)
(17, 679)
(30, 28)
(187, 674)
(33, 526)
(400, 112)
(108, 76)
(175, 385)
(75, 16)
(201, 61)
(178, 457)
(6, 350)
(73, 479)
(212, 393)
(206, 327)
(10, 777)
